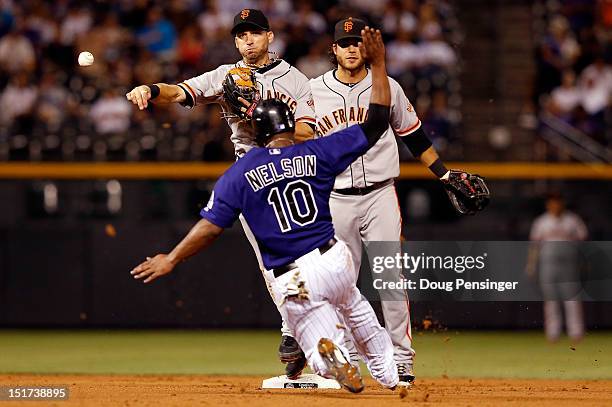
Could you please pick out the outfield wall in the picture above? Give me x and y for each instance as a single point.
(71, 269)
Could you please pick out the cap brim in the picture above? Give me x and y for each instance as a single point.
(359, 37)
(241, 26)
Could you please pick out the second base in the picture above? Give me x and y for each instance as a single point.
(305, 381)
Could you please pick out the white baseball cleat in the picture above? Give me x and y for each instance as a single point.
(406, 375)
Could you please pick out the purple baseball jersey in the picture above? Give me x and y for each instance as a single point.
(283, 193)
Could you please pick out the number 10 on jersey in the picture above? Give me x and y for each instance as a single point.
(296, 200)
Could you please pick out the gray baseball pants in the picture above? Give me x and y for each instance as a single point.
(376, 217)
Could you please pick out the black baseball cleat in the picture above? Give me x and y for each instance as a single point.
(294, 369)
(406, 375)
(346, 375)
(289, 350)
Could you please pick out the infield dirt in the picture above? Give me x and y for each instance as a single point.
(188, 390)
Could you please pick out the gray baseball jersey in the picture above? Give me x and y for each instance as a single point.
(559, 257)
(567, 227)
(276, 80)
(339, 106)
(374, 216)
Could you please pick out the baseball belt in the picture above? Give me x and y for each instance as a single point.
(279, 271)
(364, 190)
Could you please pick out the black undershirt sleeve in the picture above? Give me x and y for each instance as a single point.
(417, 142)
(376, 123)
(189, 102)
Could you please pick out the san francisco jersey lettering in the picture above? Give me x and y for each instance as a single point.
(278, 80)
(338, 106)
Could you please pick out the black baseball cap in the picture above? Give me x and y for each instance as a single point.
(250, 17)
(348, 28)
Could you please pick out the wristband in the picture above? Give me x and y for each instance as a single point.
(438, 168)
(155, 91)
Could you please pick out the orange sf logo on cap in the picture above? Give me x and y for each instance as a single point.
(244, 13)
(348, 26)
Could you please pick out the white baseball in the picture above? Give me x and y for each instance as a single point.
(86, 58)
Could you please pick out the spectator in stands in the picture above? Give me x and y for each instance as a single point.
(213, 20)
(400, 16)
(41, 23)
(18, 100)
(158, 35)
(6, 20)
(148, 69)
(52, 101)
(436, 120)
(111, 113)
(191, 46)
(314, 22)
(365, 6)
(76, 23)
(435, 52)
(566, 98)
(558, 51)
(148, 41)
(108, 39)
(230, 7)
(317, 61)
(403, 54)
(605, 12)
(429, 25)
(16, 51)
(595, 84)
(279, 10)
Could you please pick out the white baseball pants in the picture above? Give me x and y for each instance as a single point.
(329, 283)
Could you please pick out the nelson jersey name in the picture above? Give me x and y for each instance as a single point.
(338, 117)
(295, 167)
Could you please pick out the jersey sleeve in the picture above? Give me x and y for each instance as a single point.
(304, 111)
(404, 119)
(338, 150)
(205, 88)
(536, 232)
(223, 206)
(581, 230)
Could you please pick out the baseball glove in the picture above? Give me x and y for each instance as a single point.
(468, 193)
(239, 86)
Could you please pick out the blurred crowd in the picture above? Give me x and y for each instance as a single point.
(52, 109)
(574, 71)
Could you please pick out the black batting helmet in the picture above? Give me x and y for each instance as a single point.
(271, 117)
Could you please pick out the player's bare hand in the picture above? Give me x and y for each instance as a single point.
(372, 47)
(139, 96)
(152, 268)
(249, 107)
(245, 102)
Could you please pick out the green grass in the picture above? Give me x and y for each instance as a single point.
(454, 354)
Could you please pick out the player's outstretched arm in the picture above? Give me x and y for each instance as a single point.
(161, 93)
(201, 235)
(373, 50)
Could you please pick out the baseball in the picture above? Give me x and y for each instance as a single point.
(86, 58)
